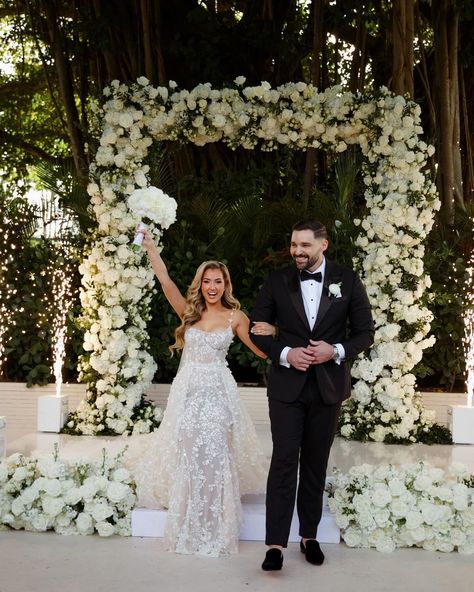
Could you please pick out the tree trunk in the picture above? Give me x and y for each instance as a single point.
(311, 154)
(402, 46)
(446, 22)
(145, 13)
(66, 88)
(468, 176)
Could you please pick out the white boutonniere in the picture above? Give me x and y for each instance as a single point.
(335, 290)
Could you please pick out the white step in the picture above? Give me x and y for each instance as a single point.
(151, 523)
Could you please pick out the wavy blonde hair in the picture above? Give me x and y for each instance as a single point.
(195, 303)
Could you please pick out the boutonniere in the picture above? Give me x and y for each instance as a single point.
(335, 290)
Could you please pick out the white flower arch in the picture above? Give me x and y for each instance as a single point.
(401, 201)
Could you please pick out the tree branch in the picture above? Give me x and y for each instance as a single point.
(36, 151)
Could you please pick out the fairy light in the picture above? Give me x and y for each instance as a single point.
(10, 247)
(469, 331)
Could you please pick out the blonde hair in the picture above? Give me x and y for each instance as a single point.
(195, 303)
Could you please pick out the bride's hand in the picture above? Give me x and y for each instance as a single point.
(262, 328)
(148, 242)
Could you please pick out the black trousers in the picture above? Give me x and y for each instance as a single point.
(302, 434)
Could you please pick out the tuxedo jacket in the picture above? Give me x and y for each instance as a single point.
(346, 320)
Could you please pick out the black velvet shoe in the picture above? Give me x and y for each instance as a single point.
(312, 552)
(273, 560)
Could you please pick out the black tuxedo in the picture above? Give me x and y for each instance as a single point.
(304, 406)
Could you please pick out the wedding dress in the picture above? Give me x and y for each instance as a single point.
(204, 455)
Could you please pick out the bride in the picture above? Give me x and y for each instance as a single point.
(206, 453)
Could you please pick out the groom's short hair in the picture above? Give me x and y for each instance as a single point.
(319, 230)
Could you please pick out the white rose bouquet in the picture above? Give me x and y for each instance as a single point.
(152, 205)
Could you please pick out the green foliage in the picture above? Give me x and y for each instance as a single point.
(62, 181)
(447, 253)
(230, 217)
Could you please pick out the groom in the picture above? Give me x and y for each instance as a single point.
(324, 320)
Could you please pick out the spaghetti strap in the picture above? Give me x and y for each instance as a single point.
(231, 316)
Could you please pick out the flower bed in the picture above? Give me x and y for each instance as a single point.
(412, 505)
(67, 497)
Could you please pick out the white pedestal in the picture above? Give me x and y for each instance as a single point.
(151, 523)
(461, 423)
(3, 436)
(52, 413)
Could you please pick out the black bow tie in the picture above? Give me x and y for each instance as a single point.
(306, 275)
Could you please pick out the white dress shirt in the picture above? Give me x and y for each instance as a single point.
(311, 291)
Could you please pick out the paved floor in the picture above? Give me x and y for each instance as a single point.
(53, 563)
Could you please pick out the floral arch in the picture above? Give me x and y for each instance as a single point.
(401, 201)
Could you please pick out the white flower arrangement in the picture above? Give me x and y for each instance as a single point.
(412, 505)
(153, 204)
(401, 201)
(67, 497)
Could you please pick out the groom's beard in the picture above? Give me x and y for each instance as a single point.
(305, 262)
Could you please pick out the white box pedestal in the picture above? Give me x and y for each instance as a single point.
(461, 423)
(3, 436)
(52, 412)
(151, 523)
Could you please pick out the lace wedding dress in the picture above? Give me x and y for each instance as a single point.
(204, 455)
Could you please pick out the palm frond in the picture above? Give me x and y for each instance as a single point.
(62, 181)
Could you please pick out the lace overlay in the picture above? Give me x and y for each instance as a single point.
(205, 454)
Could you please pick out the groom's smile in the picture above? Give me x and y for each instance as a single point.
(306, 250)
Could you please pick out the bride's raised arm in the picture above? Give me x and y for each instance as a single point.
(170, 289)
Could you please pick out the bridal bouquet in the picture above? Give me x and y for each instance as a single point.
(152, 205)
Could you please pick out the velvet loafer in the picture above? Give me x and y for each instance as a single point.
(273, 560)
(312, 552)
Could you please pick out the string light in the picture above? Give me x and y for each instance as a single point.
(468, 340)
(11, 245)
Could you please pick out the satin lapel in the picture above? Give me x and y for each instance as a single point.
(294, 288)
(326, 301)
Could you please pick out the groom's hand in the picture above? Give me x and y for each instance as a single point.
(320, 351)
(300, 358)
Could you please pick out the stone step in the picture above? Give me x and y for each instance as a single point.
(151, 523)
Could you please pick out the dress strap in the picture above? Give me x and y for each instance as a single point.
(231, 316)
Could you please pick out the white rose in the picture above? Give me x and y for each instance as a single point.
(52, 506)
(352, 537)
(17, 506)
(40, 523)
(52, 487)
(121, 475)
(105, 529)
(20, 474)
(381, 497)
(100, 511)
(84, 523)
(117, 492)
(72, 496)
(335, 290)
(29, 495)
(414, 519)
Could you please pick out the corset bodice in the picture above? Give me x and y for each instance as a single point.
(206, 347)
